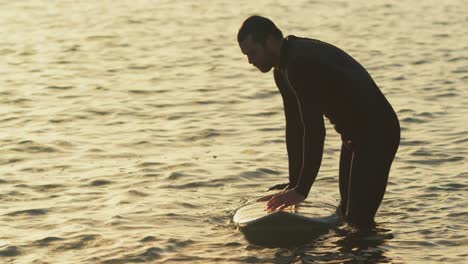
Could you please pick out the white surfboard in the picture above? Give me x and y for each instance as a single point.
(308, 220)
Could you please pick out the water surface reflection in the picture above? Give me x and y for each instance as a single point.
(341, 245)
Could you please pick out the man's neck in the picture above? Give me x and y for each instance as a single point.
(278, 49)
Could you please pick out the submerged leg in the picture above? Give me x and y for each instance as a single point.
(344, 172)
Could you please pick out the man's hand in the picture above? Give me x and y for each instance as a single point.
(283, 187)
(284, 199)
(267, 197)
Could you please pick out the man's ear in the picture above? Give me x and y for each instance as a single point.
(271, 42)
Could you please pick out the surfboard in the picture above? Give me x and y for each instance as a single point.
(292, 225)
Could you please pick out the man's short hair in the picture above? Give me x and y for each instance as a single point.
(260, 28)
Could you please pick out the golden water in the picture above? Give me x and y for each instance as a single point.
(131, 130)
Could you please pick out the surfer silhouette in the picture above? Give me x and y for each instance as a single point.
(317, 79)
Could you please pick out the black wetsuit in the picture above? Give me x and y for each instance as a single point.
(317, 79)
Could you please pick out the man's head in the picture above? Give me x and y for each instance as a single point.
(260, 40)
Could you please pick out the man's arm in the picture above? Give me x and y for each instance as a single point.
(299, 75)
(294, 128)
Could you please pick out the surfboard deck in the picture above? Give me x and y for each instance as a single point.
(293, 224)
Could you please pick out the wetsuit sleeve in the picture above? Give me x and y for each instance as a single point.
(306, 87)
(294, 128)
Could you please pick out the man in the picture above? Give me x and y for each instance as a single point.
(317, 79)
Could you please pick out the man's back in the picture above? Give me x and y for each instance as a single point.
(337, 84)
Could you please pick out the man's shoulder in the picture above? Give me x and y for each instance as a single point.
(305, 45)
(303, 51)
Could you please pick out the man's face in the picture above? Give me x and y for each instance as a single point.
(257, 54)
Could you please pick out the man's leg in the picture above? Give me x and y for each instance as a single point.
(344, 172)
(368, 180)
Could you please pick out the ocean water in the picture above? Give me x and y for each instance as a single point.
(131, 131)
